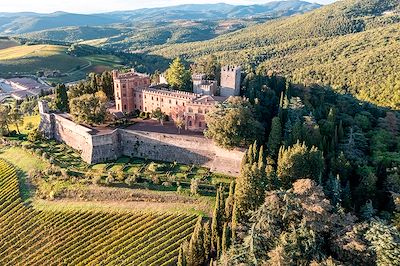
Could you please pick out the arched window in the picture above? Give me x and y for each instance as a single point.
(200, 111)
(190, 123)
(190, 110)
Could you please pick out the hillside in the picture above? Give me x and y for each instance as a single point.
(298, 46)
(68, 237)
(144, 28)
(20, 23)
(29, 59)
(216, 11)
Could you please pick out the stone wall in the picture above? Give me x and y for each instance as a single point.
(98, 147)
(180, 148)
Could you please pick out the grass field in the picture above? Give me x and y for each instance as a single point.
(22, 159)
(34, 120)
(28, 59)
(67, 237)
(32, 58)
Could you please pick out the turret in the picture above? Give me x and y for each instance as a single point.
(230, 80)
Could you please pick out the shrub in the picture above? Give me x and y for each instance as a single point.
(155, 179)
(131, 180)
(194, 186)
(167, 184)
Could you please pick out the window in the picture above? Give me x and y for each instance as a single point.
(183, 104)
(190, 123)
(135, 106)
(145, 109)
(124, 86)
(157, 99)
(124, 107)
(124, 94)
(134, 94)
(190, 110)
(152, 98)
(117, 106)
(176, 102)
(170, 101)
(200, 111)
(200, 124)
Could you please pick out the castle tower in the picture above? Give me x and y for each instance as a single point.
(230, 80)
(203, 86)
(43, 107)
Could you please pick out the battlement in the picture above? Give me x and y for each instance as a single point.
(129, 75)
(231, 68)
(171, 93)
(198, 77)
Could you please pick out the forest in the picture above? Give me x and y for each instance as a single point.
(349, 45)
(319, 184)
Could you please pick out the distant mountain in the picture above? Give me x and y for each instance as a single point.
(19, 23)
(28, 22)
(216, 11)
(352, 45)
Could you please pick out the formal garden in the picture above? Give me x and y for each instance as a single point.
(65, 169)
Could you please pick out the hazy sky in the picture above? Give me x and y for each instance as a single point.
(93, 6)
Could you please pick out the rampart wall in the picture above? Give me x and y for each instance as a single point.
(98, 147)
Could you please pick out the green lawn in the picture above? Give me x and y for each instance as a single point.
(23, 159)
(29, 59)
(34, 120)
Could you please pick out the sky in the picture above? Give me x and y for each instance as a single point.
(96, 6)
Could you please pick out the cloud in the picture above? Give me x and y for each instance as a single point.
(92, 6)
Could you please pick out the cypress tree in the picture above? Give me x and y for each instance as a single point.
(181, 257)
(217, 220)
(226, 238)
(255, 152)
(207, 240)
(229, 202)
(275, 137)
(340, 131)
(261, 159)
(196, 246)
(61, 100)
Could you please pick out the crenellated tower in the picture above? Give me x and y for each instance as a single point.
(230, 81)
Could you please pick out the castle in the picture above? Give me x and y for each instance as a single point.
(97, 145)
(134, 91)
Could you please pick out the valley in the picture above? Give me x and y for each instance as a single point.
(200, 134)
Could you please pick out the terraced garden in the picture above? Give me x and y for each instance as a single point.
(33, 237)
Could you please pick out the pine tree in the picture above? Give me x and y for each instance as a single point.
(177, 76)
(333, 190)
(346, 196)
(367, 211)
(275, 137)
(385, 242)
(297, 132)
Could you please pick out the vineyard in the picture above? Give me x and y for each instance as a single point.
(32, 237)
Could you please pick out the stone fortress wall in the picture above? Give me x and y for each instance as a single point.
(96, 147)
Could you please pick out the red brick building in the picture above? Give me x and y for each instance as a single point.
(133, 91)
